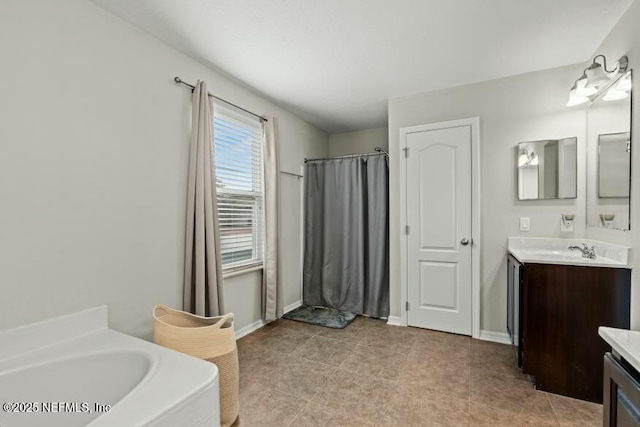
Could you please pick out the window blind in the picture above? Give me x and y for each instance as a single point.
(237, 141)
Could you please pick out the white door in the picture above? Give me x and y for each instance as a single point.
(438, 215)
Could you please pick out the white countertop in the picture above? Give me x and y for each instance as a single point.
(625, 342)
(556, 251)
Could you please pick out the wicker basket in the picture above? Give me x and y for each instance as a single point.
(209, 338)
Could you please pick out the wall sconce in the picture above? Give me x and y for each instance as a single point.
(527, 159)
(595, 80)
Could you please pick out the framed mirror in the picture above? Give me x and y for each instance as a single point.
(614, 165)
(548, 169)
(609, 156)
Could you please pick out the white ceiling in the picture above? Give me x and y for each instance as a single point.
(336, 62)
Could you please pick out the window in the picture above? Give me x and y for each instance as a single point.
(237, 142)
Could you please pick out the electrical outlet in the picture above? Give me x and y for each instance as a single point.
(566, 227)
(525, 224)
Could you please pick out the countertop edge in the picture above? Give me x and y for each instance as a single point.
(607, 334)
(524, 260)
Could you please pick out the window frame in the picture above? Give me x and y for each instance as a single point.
(256, 262)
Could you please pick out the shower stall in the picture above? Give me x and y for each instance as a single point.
(346, 250)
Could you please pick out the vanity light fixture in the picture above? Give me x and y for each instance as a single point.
(582, 89)
(625, 82)
(597, 75)
(620, 90)
(575, 98)
(613, 94)
(527, 159)
(580, 93)
(595, 78)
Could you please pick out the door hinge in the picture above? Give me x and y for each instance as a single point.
(407, 305)
(406, 151)
(406, 230)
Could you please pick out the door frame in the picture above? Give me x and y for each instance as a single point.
(474, 122)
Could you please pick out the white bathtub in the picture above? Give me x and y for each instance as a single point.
(74, 371)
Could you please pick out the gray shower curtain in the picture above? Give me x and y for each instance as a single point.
(346, 259)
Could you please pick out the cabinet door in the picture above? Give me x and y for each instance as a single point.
(517, 309)
(514, 305)
(510, 301)
(563, 306)
(621, 395)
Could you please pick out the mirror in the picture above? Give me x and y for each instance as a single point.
(548, 169)
(614, 165)
(609, 156)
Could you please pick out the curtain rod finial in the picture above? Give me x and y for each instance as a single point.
(177, 79)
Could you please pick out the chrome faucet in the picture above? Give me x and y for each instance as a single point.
(587, 252)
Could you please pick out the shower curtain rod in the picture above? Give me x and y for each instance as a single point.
(379, 152)
(181, 82)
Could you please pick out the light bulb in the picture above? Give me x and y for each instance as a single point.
(583, 90)
(596, 76)
(613, 94)
(575, 99)
(624, 83)
(523, 159)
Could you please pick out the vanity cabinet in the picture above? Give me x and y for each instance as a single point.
(621, 393)
(554, 312)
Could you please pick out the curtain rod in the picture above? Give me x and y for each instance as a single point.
(181, 82)
(292, 174)
(379, 152)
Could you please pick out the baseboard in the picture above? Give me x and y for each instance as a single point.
(498, 337)
(292, 306)
(246, 330)
(395, 320)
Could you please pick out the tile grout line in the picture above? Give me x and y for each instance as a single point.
(299, 412)
(553, 409)
(335, 369)
(313, 397)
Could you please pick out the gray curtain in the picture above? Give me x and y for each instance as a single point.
(346, 259)
(202, 293)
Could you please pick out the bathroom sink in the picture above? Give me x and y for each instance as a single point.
(75, 371)
(560, 255)
(556, 251)
(85, 381)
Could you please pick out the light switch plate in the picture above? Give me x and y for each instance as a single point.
(525, 224)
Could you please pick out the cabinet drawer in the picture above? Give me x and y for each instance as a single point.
(621, 395)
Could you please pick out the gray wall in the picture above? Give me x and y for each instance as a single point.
(358, 142)
(624, 39)
(93, 164)
(527, 107)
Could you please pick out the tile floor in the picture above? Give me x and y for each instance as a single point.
(372, 374)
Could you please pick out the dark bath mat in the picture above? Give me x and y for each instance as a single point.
(323, 316)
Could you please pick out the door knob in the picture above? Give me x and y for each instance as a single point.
(464, 242)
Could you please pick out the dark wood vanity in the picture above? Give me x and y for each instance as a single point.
(553, 316)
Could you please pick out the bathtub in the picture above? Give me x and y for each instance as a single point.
(73, 371)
